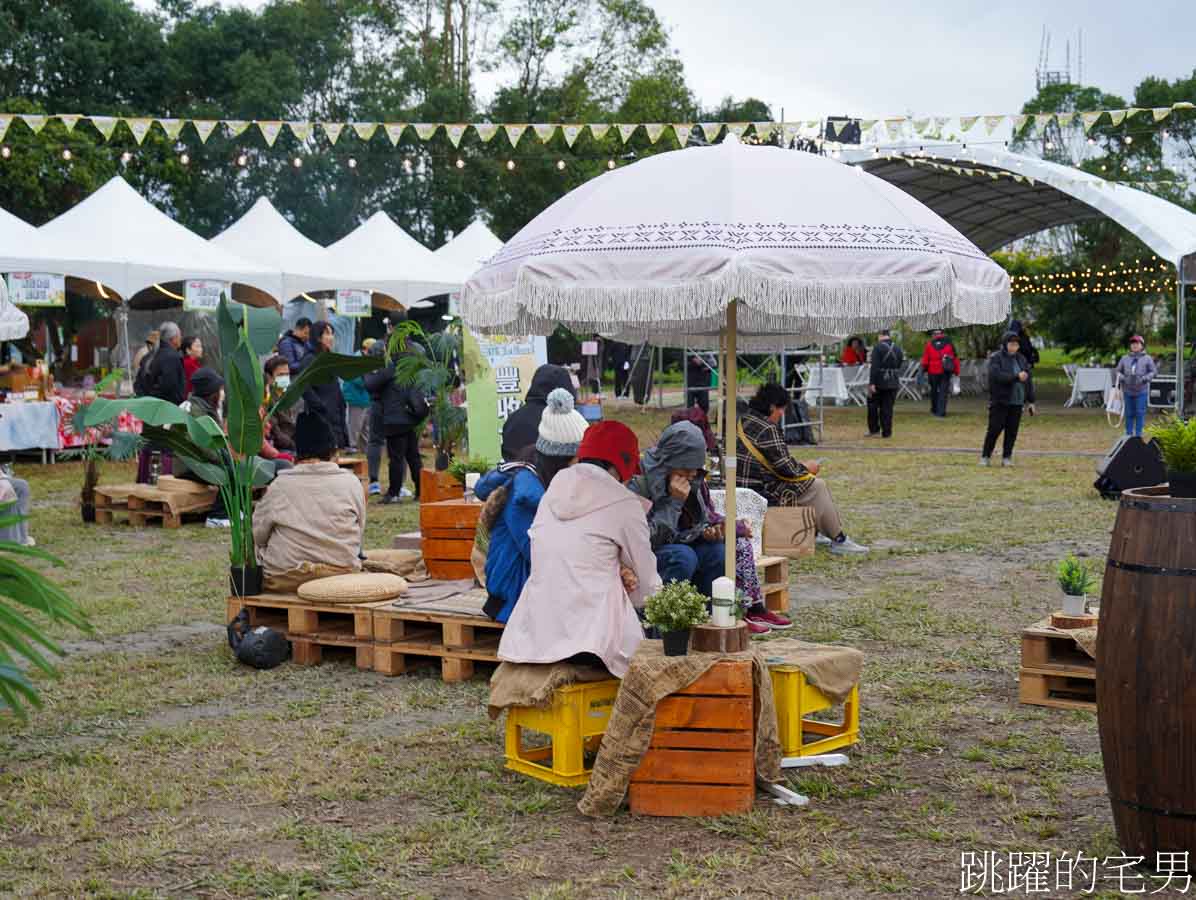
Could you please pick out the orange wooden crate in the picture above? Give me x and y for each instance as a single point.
(701, 760)
(446, 537)
(437, 486)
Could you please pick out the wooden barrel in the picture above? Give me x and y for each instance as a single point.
(1146, 672)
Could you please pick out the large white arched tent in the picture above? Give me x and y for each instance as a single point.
(467, 251)
(994, 212)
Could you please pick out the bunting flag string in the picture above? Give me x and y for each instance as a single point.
(997, 174)
(892, 127)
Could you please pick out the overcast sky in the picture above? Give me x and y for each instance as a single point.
(874, 58)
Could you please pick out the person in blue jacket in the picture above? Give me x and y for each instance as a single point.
(512, 493)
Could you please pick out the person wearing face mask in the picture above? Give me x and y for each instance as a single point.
(687, 544)
(207, 397)
(282, 424)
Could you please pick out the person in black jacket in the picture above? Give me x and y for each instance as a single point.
(1025, 347)
(326, 399)
(1010, 389)
(698, 379)
(884, 380)
(402, 411)
(167, 379)
(294, 346)
(522, 428)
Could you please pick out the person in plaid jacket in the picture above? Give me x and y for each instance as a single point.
(765, 466)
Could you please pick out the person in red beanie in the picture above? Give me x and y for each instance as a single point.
(592, 562)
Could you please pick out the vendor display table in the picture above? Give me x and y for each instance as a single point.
(29, 425)
(1090, 381)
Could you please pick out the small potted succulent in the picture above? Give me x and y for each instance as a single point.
(1177, 442)
(1076, 580)
(674, 610)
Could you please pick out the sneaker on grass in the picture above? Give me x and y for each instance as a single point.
(771, 619)
(821, 540)
(375, 489)
(985, 461)
(847, 547)
(756, 628)
(1007, 461)
(405, 493)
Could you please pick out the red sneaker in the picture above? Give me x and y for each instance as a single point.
(771, 619)
(756, 627)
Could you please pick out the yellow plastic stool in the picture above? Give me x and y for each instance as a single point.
(796, 699)
(575, 722)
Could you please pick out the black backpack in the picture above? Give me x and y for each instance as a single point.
(261, 647)
(950, 367)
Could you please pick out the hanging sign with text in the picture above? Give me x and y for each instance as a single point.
(36, 289)
(204, 296)
(354, 304)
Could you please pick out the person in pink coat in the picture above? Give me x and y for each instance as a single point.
(592, 564)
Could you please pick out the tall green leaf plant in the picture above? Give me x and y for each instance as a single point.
(429, 362)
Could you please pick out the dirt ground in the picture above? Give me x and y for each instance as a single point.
(159, 767)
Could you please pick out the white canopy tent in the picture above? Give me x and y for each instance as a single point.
(993, 213)
(470, 249)
(392, 262)
(14, 324)
(119, 239)
(265, 237)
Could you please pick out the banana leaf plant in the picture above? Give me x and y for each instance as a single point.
(120, 446)
(227, 456)
(22, 586)
(431, 363)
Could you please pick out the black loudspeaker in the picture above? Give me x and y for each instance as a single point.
(1130, 463)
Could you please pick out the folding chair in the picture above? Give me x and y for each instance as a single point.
(909, 381)
(857, 388)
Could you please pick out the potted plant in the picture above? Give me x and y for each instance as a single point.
(674, 610)
(123, 445)
(430, 362)
(1076, 581)
(459, 468)
(1177, 442)
(228, 457)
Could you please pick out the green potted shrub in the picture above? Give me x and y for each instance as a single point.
(1075, 580)
(1177, 442)
(121, 446)
(227, 457)
(674, 610)
(429, 362)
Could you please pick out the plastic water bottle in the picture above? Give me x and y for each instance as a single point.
(155, 467)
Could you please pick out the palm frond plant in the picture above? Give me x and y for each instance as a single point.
(23, 588)
(102, 443)
(430, 362)
(227, 456)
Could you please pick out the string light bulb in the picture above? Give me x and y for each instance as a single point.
(5, 151)
(510, 165)
(560, 164)
(407, 166)
(460, 163)
(66, 155)
(610, 164)
(297, 162)
(126, 157)
(352, 162)
(242, 160)
(1129, 139)
(185, 159)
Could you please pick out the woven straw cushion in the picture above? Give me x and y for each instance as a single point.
(396, 562)
(365, 587)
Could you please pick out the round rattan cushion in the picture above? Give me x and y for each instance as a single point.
(397, 562)
(366, 587)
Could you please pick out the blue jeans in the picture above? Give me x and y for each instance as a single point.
(698, 563)
(1135, 412)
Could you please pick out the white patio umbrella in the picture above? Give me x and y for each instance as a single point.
(761, 245)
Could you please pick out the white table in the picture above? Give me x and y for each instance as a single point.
(1090, 380)
(28, 425)
(830, 382)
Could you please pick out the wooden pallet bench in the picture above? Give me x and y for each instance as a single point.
(358, 465)
(450, 632)
(312, 627)
(166, 504)
(1055, 672)
(774, 582)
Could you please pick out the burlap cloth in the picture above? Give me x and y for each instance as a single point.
(651, 677)
(1085, 638)
(406, 563)
(533, 684)
(833, 670)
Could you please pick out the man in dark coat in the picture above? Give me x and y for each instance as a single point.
(522, 427)
(884, 380)
(167, 379)
(402, 411)
(698, 379)
(294, 347)
(1010, 390)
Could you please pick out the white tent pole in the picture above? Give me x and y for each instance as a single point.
(729, 435)
(1180, 316)
(122, 324)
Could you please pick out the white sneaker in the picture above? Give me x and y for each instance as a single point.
(405, 493)
(821, 540)
(985, 461)
(847, 547)
(218, 523)
(29, 541)
(1007, 461)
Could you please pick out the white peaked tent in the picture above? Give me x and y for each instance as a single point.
(392, 262)
(118, 238)
(264, 236)
(470, 249)
(14, 232)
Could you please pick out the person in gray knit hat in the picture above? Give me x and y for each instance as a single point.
(512, 495)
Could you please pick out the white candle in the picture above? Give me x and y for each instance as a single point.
(723, 596)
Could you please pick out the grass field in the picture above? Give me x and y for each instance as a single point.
(159, 767)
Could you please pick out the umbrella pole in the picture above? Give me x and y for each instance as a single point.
(729, 436)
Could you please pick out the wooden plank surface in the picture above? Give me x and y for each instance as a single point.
(729, 677)
(686, 800)
(697, 766)
(728, 713)
(453, 550)
(702, 740)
